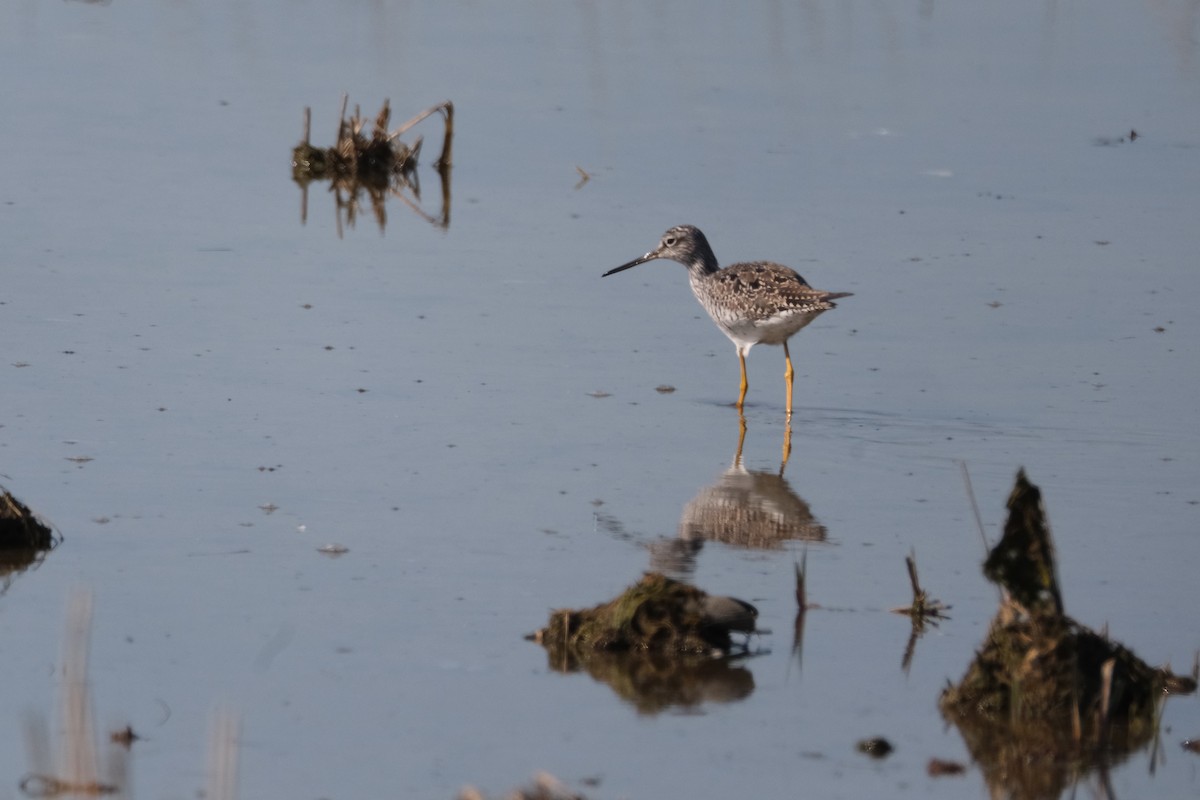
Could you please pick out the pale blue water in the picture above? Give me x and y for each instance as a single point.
(940, 161)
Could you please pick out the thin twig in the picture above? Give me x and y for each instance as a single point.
(922, 609)
(974, 505)
(442, 107)
(342, 116)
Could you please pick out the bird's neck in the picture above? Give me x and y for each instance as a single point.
(703, 264)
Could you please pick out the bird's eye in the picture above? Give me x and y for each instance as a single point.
(669, 241)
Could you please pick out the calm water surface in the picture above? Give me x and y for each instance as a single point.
(472, 410)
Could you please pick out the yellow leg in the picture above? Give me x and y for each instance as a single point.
(788, 374)
(742, 397)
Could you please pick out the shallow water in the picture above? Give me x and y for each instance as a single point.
(1024, 287)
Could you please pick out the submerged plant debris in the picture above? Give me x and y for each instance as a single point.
(1047, 699)
(378, 165)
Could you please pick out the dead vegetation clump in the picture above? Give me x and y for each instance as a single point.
(661, 644)
(370, 160)
(656, 614)
(20, 528)
(378, 164)
(24, 539)
(1047, 698)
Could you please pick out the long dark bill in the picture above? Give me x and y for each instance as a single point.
(648, 257)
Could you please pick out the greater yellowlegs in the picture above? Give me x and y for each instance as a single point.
(758, 302)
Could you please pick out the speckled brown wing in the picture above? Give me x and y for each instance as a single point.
(763, 289)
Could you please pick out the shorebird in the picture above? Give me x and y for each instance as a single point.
(757, 302)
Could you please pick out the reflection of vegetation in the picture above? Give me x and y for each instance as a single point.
(1046, 699)
(24, 539)
(654, 644)
(379, 165)
(76, 769)
(656, 682)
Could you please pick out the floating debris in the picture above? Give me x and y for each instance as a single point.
(125, 737)
(1046, 698)
(584, 176)
(876, 747)
(1113, 141)
(379, 165)
(333, 549)
(938, 768)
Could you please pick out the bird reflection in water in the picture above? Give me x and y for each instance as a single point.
(744, 508)
(754, 509)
